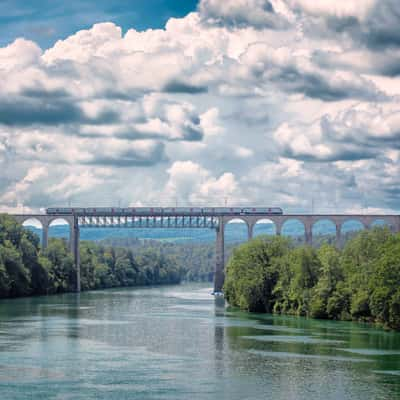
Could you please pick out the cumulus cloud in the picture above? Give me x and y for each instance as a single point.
(361, 132)
(364, 61)
(257, 101)
(242, 13)
(53, 148)
(17, 191)
(297, 73)
(373, 23)
(352, 8)
(191, 182)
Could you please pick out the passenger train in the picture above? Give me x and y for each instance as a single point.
(157, 211)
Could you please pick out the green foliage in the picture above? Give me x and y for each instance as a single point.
(27, 270)
(361, 282)
(195, 261)
(325, 299)
(252, 273)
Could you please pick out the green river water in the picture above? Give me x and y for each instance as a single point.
(178, 342)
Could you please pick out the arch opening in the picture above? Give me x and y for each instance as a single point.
(236, 232)
(351, 227)
(294, 229)
(60, 228)
(381, 223)
(35, 226)
(324, 231)
(264, 226)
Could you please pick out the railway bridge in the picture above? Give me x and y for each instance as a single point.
(195, 219)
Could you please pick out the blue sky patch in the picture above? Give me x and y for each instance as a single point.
(46, 21)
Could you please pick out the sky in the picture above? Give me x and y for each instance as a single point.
(291, 103)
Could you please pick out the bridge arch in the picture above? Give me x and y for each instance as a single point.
(294, 228)
(38, 222)
(325, 227)
(352, 225)
(382, 222)
(236, 231)
(55, 229)
(263, 226)
(244, 226)
(33, 224)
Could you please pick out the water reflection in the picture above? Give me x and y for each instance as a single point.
(219, 310)
(180, 342)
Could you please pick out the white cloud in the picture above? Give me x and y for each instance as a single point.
(18, 191)
(340, 9)
(362, 131)
(256, 101)
(259, 13)
(193, 183)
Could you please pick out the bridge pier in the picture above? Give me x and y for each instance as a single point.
(250, 228)
(75, 251)
(338, 235)
(45, 236)
(309, 239)
(219, 257)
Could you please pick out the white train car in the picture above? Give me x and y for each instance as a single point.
(228, 210)
(100, 210)
(59, 211)
(262, 210)
(169, 211)
(183, 210)
(196, 210)
(166, 211)
(143, 210)
(148, 210)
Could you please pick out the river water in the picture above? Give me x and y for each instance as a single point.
(178, 342)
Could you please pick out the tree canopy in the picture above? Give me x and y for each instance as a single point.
(26, 269)
(360, 282)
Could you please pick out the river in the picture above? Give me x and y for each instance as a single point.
(178, 342)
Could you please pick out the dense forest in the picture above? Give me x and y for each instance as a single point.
(360, 282)
(268, 274)
(196, 260)
(27, 270)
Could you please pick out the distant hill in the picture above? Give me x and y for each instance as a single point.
(235, 232)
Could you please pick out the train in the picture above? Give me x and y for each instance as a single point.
(158, 211)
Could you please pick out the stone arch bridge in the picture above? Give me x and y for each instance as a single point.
(217, 222)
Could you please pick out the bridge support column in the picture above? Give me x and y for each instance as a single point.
(278, 230)
(250, 231)
(45, 236)
(338, 236)
(219, 258)
(75, 252)
(397, 225)
(309, 235)
(71, 243)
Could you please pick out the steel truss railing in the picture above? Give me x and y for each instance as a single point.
(148, 222)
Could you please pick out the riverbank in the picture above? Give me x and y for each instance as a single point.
(175, 342)
(26, 270)
(359, 283)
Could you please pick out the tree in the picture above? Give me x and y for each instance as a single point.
(329, 275)
(18, 274)
(252, 273)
